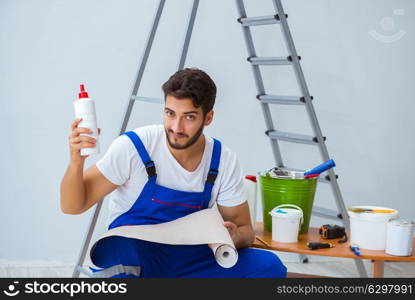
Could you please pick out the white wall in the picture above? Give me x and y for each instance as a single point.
(363, 90)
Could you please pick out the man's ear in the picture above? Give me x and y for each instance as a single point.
(209, 118)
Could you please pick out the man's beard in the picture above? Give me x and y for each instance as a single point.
(192, 140)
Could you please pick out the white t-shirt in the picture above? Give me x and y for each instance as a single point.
(122, 165)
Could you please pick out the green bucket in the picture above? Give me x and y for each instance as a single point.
(282, 190)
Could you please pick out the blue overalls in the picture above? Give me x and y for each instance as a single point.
(128, 257)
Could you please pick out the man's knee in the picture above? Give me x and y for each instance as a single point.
(279, 268)
(116, 250)
(270, 264)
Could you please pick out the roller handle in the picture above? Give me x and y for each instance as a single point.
(321, 168)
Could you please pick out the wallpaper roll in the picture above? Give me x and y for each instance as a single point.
(202, 227)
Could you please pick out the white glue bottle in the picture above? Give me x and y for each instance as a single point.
(85, 109)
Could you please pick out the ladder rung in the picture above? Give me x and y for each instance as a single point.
(326, 213)
(271, 60)
(147, 99)
(264, 20)
(292, 137)
(284, 100)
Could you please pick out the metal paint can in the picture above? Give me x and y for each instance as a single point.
(286, 188)
(399, 237)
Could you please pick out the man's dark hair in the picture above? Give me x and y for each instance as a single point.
(192, 83)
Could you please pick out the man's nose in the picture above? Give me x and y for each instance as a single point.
(177, 125)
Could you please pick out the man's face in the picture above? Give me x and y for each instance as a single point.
(183, 122)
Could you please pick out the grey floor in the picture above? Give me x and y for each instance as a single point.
(338, 267)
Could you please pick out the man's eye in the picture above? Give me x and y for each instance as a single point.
(190, 117)
(169, 113)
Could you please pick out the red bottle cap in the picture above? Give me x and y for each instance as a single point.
(83, 93)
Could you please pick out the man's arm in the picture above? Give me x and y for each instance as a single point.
(81, 190)
(238, 222)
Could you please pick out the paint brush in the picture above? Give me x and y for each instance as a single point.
(321, 168)
(262, 241)
(279, 172)
(371, 210)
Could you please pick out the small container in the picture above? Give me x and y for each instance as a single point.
(85, 109)
(286, 223)
(399, 237)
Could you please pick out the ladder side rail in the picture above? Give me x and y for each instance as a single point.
(142, 67)
(259, 84)
(87, 240)
(310, 109)
(314, 122)
(188, 36)
(131, 101)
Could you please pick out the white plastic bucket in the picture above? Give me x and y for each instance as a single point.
(286, 223)
(368, 229)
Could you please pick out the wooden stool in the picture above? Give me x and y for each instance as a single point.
(264, 241)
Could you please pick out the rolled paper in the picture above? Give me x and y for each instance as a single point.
(202, 227)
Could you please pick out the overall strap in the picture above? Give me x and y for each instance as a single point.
(214, 166)
(145, 157)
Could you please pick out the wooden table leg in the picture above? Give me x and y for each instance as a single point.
(378, 268)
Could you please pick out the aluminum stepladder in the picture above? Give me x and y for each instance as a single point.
(135, 97)
(265, 100)
(304, 99)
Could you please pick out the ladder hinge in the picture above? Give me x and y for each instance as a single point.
(290, 58)
(302, 99)
(327, 177)
(259, 95)
(316, 141)
(268, 131)
(277, 17)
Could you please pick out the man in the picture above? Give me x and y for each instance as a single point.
(160, 173)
